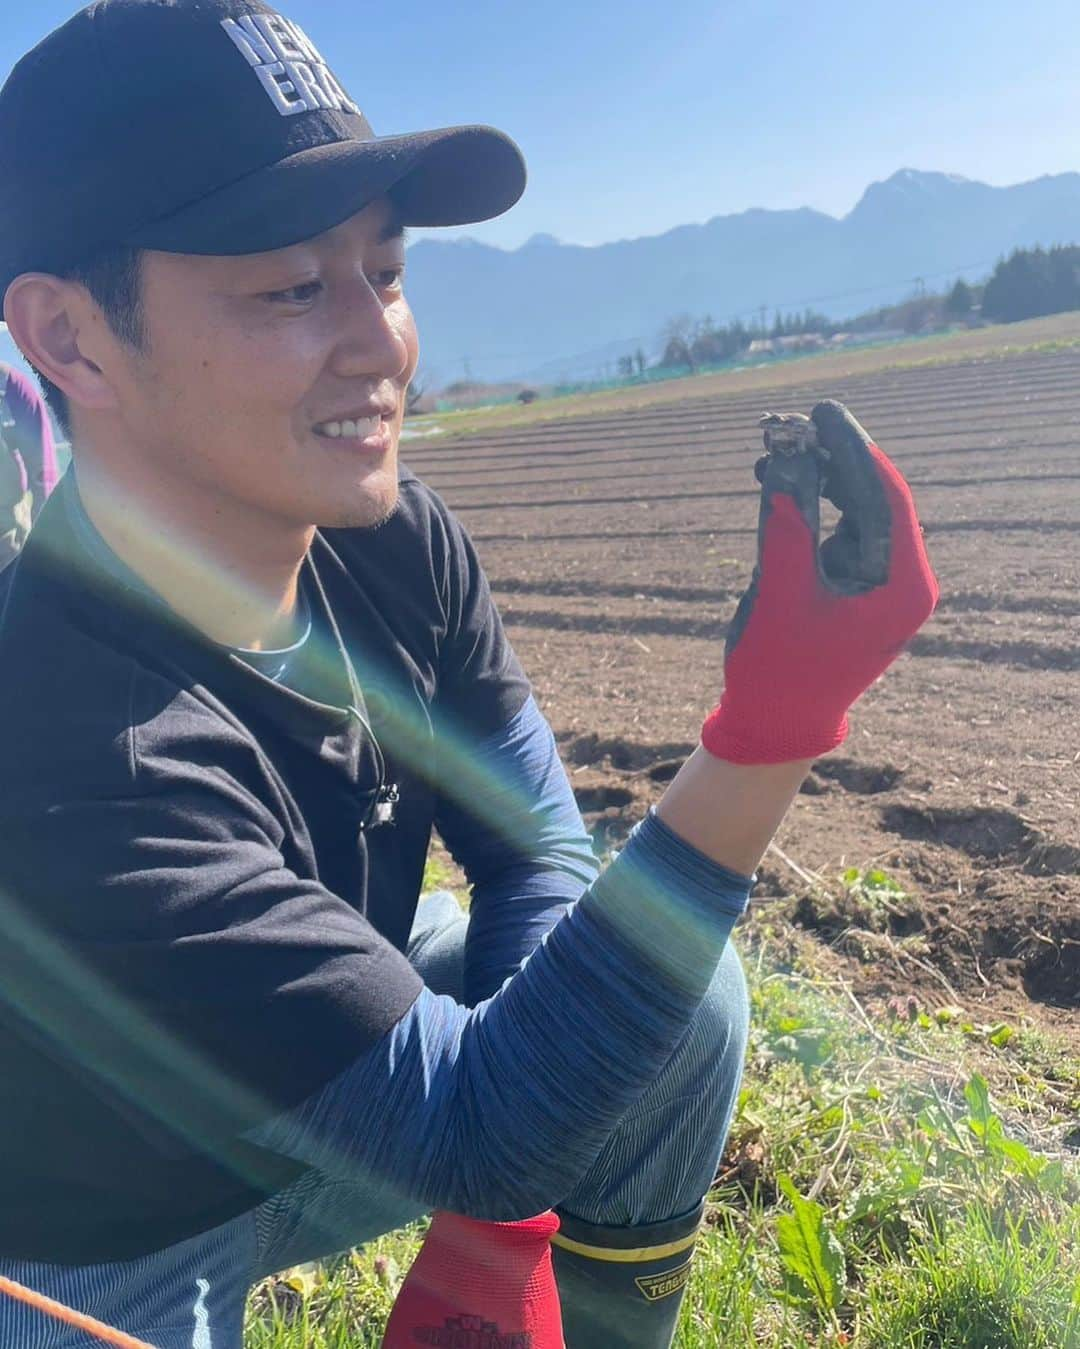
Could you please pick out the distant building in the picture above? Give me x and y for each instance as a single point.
(799, 342)
(784, 346)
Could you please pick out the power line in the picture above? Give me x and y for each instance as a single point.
(865, 290)
(784, 306)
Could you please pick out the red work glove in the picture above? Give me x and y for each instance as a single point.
(477, 1283)
(818, 625)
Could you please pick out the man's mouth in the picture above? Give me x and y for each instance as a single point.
(362, 428)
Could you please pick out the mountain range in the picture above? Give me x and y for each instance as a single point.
(551, 311)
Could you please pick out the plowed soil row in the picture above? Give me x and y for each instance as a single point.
(617, 546)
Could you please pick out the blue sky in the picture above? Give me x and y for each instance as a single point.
(635, 117)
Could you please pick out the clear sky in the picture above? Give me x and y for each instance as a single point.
(635, 117)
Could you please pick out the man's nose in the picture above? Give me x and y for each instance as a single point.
(370, 341)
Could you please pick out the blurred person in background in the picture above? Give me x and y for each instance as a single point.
(15, 500)
(26, 427)
(27, 460)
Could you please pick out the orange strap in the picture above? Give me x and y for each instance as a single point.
(59, 1312)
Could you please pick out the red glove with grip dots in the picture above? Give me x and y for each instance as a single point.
(480, 1283)
(819, 624)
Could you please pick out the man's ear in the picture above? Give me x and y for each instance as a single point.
(63, 335)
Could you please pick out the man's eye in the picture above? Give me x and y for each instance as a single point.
(389, 279)
(298, 295)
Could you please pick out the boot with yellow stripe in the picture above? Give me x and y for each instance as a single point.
(622, 1287)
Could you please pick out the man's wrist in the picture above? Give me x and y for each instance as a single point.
(730, 811)
(769, 735)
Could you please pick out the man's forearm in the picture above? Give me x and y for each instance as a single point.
(730, 811)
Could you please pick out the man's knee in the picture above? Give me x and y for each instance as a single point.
(711, 1054)
(436, 947)
(661, 1159)
(708, 1059)
(724, 1014)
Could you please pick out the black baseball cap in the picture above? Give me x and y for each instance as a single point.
(213, 127)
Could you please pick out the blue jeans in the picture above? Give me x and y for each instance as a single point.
(656, 1165)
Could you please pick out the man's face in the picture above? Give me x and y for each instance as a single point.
(275, 382)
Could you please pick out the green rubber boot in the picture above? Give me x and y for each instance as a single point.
(622, 1287)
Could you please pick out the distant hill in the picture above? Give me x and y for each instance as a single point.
(550, 310)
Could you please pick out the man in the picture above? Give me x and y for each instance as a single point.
(257, 662)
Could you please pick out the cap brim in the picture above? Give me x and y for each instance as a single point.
(454, 176)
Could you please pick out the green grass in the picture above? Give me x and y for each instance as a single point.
(893, 1183)
(340, 1305)
(439, 873)
(986, 1281)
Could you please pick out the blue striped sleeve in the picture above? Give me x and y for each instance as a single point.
(522, 880)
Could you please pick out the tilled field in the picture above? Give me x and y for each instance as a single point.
(617, 547)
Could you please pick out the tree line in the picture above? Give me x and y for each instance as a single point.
(1033, 281)
(1028, 283)
(695, 342)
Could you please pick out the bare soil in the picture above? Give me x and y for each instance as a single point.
(617, 546)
